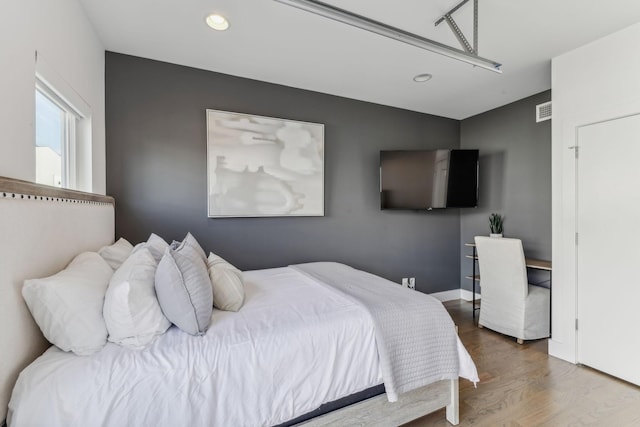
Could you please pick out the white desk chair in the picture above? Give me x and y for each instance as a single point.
(510, 305)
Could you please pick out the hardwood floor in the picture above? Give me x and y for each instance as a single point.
(520, 385)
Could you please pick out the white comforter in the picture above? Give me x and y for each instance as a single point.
(416, 338)
(291, 334)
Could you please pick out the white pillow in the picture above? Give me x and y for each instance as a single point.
(156, 246)
(184, 289)
(227, 284)
(117, 253)
(68, 305)
(131, 310)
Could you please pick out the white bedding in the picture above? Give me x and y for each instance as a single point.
(416, 338)
(291, 334)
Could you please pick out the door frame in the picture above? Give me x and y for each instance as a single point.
(577, 218)
(563, 343)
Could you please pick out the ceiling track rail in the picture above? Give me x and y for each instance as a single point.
(458, 33)
(448, 18)
(468, 55)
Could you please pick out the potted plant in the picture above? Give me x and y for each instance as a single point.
(495, 225)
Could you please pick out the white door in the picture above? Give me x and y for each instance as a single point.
(608, 221)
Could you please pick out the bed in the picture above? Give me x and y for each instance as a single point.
(301, 341)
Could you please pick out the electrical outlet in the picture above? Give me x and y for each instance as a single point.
(405, 282)
(412, 283)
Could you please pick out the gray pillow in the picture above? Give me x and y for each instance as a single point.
(184, 289)
(191, 241)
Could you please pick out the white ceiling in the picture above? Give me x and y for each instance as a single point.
(275, 43)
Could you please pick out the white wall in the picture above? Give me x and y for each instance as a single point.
(596, 82)
(49, 170)
(61, 33)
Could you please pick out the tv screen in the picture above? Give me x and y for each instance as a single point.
(428, 179)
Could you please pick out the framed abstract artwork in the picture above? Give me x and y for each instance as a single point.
(262, 166)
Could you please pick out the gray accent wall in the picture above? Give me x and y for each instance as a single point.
(515, 179)
(156, 170)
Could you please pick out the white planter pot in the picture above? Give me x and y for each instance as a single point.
(495, 235)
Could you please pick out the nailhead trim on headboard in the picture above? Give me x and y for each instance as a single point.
(5, 195)
(11, 188)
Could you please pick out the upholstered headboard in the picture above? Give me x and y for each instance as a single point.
(41, 229)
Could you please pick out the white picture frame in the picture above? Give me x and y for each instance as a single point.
(261, 166)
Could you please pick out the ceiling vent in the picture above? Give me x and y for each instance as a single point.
(543, 112)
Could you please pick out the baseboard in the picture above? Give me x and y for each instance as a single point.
(468, 295)
(451, 295)
(455, 294)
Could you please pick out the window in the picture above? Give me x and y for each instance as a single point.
(62, 132)
(55, 139)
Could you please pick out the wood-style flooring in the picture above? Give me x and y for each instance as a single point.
(520, 385)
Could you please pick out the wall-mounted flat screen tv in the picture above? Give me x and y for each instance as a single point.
(428, 179)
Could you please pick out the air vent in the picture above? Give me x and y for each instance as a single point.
(543, 112)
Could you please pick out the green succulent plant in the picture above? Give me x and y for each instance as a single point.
(496, 223)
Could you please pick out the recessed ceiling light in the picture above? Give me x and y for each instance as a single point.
(217, 22)
(422, 78)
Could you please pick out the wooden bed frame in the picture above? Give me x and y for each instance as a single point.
(44, 227)
(378, 411)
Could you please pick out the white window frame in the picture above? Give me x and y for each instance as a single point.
(77, 139)
(69, 140)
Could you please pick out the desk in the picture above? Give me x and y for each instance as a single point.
(536, 264)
